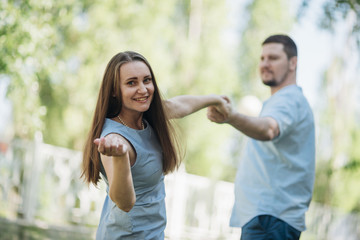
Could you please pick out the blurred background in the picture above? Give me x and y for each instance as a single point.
(53, 55)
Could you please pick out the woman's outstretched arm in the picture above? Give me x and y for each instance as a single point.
(116, 154)
(184, 105)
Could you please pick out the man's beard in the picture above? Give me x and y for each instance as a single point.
(274, 83)
(271, 83)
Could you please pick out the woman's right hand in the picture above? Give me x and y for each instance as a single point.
(112, 145)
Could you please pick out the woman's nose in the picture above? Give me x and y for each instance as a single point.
(142, 88)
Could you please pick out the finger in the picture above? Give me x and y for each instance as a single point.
(222, 111)
(123, 149)
(214, 116)
(215, 112)
(118, 148)
(215, 119)
(211, 118)
(226, 98)
(106, 143)
(218, 110)
(101, 147)
(97, 141)
(211, 109)
(102, 141)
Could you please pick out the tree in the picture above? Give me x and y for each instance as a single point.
(55, 54)
(35, 38)
(335, 10)
(265, 18)
(338, 158)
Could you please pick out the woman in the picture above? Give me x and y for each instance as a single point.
(137, 146)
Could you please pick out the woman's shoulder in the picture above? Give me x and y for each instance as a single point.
(111, 126)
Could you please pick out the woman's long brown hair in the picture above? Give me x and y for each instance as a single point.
(109, 105)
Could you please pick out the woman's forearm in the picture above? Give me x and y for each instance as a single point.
(121, 188)
(184, 105)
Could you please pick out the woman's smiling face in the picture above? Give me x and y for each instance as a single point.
(136, 85)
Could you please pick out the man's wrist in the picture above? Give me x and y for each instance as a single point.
(231, 119)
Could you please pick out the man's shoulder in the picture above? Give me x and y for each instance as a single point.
(290, 94)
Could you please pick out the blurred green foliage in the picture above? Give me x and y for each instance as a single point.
(333, 12)
(55, 53)
(265, 18)
(338, 167)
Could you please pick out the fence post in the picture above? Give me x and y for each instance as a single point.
(176, 188)
(31, 172)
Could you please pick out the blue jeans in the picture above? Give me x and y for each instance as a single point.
(266, 227)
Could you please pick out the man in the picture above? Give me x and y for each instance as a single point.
(274, 182)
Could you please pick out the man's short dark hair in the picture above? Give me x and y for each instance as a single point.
(289, 45)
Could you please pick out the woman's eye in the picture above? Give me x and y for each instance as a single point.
(146, 80)
(130, 83)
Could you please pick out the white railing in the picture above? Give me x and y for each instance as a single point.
(326, 223)
(198, 208)
(40, 183)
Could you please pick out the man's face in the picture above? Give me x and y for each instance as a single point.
(274, 65)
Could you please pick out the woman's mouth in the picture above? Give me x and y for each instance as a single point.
(141, 99)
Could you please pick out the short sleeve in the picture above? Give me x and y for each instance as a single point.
(283, 108)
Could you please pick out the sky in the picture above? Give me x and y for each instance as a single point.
(315, 50)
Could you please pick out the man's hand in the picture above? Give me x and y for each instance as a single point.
(112, 145)
(220, 113)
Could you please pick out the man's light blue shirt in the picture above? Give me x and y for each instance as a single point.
(276, 177)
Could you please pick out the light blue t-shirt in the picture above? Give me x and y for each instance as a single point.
(277, 177)
(147, 219)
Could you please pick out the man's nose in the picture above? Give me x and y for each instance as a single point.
(264, 63)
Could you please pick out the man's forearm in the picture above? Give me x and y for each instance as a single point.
(259, 128)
